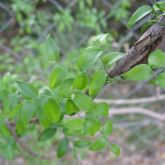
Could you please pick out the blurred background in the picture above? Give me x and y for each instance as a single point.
(24, 25)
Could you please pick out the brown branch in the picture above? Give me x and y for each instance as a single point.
(141, 49)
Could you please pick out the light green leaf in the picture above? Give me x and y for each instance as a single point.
(115, 149)
(108, 128)
(111, 58)
(88, 58)
(139, 14)
(62, 148)
(160, 5)
(80, 81)
(97, 82)
(65, 87)
(157, 59)
(82, 101)
(51, 110)
(81, 143)
(92, 126)
(139, 73)
(101, 39)
(98, 144)
(71, 108)
(27, 90)
(100, 110)
(74, 125)
(57, 76)
(46, 134)
(160, 80)
(51, 50)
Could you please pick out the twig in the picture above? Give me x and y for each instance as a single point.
(56, 4)
(9, 51)
(132, 101)
(132, 110)
(6, 9)
(23, 145)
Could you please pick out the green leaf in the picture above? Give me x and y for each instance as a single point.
(92, 126)
(46, 134)
(74, 125)
(101, 39)
(139, 73)
(115, 149)
(160, 5)
(160, 80)
(71, 108)
(97, 82)
(108, 128)
(62, 148)
(80, 81)
(82, 101)
(51, 50)
(157, 59)
(88, 58)
(65, 87)
(111, 58)
(100, 110)
(139, 14)
(81, 143)
(98, 144)
(51, 110)
(27, 90)
(57, 76)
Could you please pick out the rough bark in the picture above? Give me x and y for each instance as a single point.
(141, 49)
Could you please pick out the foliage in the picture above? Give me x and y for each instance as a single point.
(64, 104)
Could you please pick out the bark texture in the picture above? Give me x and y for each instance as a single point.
(138, 54)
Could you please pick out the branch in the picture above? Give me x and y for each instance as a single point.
(132, 110)
(141, 49)
(23, 145)
(132, 101)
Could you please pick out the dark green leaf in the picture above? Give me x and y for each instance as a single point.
(62, 148)
(47, 134)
